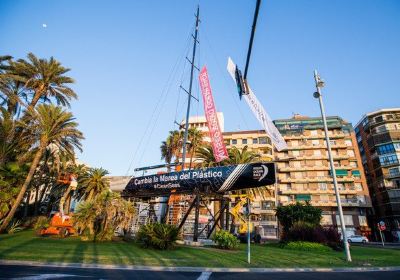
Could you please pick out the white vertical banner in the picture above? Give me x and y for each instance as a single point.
(259, 111)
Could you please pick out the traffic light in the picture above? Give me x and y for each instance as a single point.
(240, 83)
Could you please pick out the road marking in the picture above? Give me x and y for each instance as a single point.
(46, 276)
(204, 275)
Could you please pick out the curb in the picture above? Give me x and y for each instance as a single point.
(199, 269)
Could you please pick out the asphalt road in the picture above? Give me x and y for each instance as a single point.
(40, 273)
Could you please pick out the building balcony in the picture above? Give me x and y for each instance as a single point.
(313, 180)
(268, 223)
(311, 168)
(319, 136)
(331, 191)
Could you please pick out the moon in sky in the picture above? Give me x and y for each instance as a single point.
(44, 25)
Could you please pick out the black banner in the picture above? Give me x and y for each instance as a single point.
(209, 180)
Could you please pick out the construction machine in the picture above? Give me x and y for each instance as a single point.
(238, 217)
(61, 223)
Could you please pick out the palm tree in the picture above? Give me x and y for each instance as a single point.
(49, 125)
(166, 154)
(78, 171)
(12, 144)
(195, 138)
(205, 157)
(239, 156)
(93, 183)
(171, 148)
(45, 78)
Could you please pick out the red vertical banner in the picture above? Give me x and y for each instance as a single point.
(217, 141)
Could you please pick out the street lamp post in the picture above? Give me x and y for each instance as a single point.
(319, 84)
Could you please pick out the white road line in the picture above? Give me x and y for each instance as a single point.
(47, 276)
(204, 275)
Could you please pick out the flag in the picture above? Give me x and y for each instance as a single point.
(217, 140)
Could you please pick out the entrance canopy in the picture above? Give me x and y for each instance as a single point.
(209, 180)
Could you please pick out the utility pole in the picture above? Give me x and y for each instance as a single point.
(189, 92)
(319, 84)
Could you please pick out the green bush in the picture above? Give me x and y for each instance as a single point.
(225, 240)
(41, 223)
(158, 236)
(307, 246)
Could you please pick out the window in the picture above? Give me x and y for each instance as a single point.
(353, 164)
(264, 140)
(348, 143)
(255, 140)
(317, 152)
(386, 149)
(244, 141)
(378, 119)
(267, 205)
(394, 171)
(326, 220)
(332, 142)
(381, 128)
(350, 153)
(322, 186)
(388, 160)
(303, 197)
(318, 163)
(358, 186)
(315, 142)
(363, 221)
(268, 218)
(356, 173)
(340, 172)
(298, 175)
(295, 153)
(234, 141)
(314, 132)
(348, 220)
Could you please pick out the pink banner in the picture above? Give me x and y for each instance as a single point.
(217, 141)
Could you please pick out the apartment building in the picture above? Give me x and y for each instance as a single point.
(378, 138)
(304, 171)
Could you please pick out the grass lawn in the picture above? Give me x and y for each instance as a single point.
(26, 246)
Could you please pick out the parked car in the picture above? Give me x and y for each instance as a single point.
(357, 239)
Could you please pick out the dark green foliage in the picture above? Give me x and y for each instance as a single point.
(226, 240)
(158, 236)
(307, 232)
(290, 214)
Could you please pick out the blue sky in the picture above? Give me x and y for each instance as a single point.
(122, 55)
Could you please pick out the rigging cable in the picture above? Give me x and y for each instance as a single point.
(156, 109)
(158, 115)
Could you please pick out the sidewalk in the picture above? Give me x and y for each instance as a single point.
(199, 269)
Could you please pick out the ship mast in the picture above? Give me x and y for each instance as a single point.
(189, 92)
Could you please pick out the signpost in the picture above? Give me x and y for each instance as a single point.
(381, 227)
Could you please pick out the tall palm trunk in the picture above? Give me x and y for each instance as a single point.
(62, 201)
(36, 97)
(21, 194)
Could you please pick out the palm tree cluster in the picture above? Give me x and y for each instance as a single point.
(171, 148)
(38, 138)
(97, 219)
